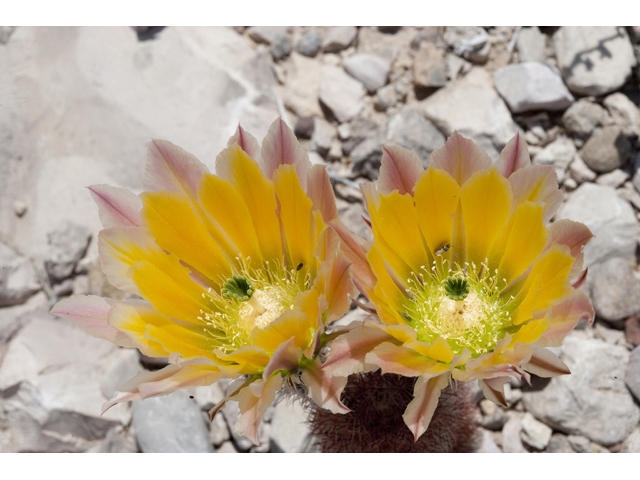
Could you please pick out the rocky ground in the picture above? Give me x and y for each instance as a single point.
(79, 105)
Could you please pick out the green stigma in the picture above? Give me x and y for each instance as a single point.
(456, 288)
(238, 287)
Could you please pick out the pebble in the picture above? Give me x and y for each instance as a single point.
(472, 106)
(218, 430)
(597, 374)
(18, 280)
(281, 48)
(339, 38)
(624, 113)
(289, 428)
(386, 97)
(632, 375)
(367, 155)
(309, 44)
(535, 433)
(511, 434)
(610, 219)
(580, 171)
(409, 129)
(532, 86)
(267, 34)
(559, 444)
(583, 117)
(632, 330)
(594, 60)
(304, 127)
(606, 150)
(226, 447)
(613, 179)
(531, 44)
(558, 153)
(170, 424)
(323, 136)
(429, 67)
(580, 443)
(494, 417)
(19, 208)
(372, 70)
(67, 245)
(303, 83)
(470, 42)
(488, 444)
(5, 34)
(631, 444)
(341, 93)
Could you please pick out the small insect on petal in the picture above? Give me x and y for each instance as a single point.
(443, 249)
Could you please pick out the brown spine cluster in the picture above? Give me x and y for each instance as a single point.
(376, 426)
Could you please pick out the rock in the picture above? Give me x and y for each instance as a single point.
(122, 365)
(209, 396)
(494, 417)
(425, 34)
(429, 67)
(630, 194)
(304, 127)
(607, 149)
(335, 152)
(301, 89)
(609, 335)
(323, 135)
(5, 34)
(473, 108)
(386, 97)
(366, 156)
(289, 427)
(344, 131)
(309, 44)
(281, 48)
(67, 245)
(231, 414)
(632, 330)
(13, 318)
(409, 129)
(570, 184)
(636, 175)
(266, 34)
(226, 447)
(632, 376)
(610, 218)
(532, 86)
(340, 93)
(339, 38)
(358, 129)
(579, 443)
(624, 113)
(531, 45)
(372, 70)
(218, 430)
(580, 171)
(593, 400)
(170, 424)
(583, 117)
(511, 440)
(613, 179)
(116, 442)
(454, 65)
(594, 60)
(558, 153)
(470, 42)
(535, 433)
(631, 444)
(351, 216)
(488, 445)
(559, 444)
(19, 208)
(18, 280)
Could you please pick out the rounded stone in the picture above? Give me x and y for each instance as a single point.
(309, 44)
(606, 150)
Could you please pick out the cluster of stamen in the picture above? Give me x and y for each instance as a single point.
(463, 306)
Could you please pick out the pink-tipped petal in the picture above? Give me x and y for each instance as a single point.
(493, 389)
(564, 317)
(348, 351)
(514, 156)
(399, 170)
(321, 193)
(426, 393)
(575, 236)
(281, 147)
(538, 183)
(401, 360)
(246, 142)
(356, 254)
(324, 388)
(285, 357)
(118, 207)
(460, 157)
(253, 402)
(544, 363)
(338, 287)
(92, 314)
(171, 168)
(580, 280)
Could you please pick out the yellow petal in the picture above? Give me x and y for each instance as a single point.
(295, 215)
(133, 320)
(441, 351)
(526, 300)
(226, 206)
(292, 323)
(385, 287)
(530, 332)
(486, 203)
(177, 229)
(436, 197)
(237, 168)
(402, 360)
(251, 357)
(553, 266)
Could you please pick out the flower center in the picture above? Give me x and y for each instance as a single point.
(464, 309)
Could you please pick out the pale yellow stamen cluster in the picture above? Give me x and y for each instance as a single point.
(274, 302)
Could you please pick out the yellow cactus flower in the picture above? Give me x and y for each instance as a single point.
(467, 279)
(238, 272)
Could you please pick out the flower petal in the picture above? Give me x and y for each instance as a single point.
(493, 389)
(281, 147)
(575, 236)
(246, 142)
(321, 193)
(486, 203)
(460, 157)
(399, 170)
(324, 388)
(291, 324)
(253, 401)
(513, 157)
(348, 351)
(538, 183)
(237, 168)
(295, 216)
(564, 317)
(398, 359)
(356, 253)
(251, 358)
(546, 364)
(426, 393)
(338, 287)
(118, 206)
(171, 168)
(285, 357)
(132, 319)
